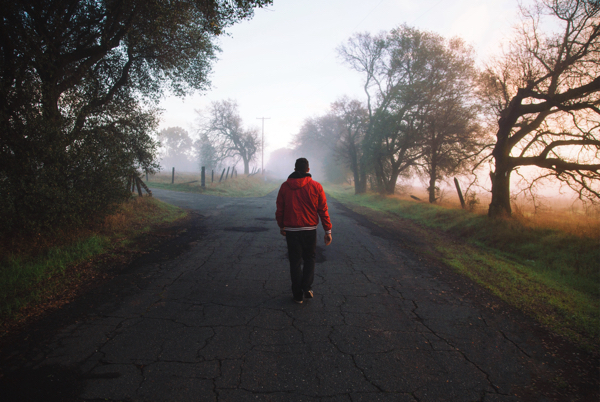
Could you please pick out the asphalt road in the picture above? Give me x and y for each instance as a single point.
(211, 318)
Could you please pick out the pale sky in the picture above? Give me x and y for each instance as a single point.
(283, 64)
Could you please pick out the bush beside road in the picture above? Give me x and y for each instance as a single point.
(45, 272)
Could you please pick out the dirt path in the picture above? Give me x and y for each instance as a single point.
(208, 316)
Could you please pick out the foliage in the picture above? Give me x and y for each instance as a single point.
(31, 271)
(207, 154)
(353, 120)
(545, 95)
(74, 76)
(451, 133)
(223, 136)
(317, 141)
(416, 85)
(176, 149)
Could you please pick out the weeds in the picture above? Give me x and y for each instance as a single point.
(26, 272)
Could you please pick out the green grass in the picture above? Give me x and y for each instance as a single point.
(30, 277)
(551, 274)
(240, 186)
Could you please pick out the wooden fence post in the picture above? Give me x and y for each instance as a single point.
(222, 175)
(173, 176)
(137, 183)
(460, 195)
(203, 178)
(212, 175)
(145, 187)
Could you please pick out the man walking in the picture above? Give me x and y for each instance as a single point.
(300, 203)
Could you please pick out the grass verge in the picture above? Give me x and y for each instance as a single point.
(34, 276)
(241, 186)
(550, 274)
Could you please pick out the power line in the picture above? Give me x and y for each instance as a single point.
(425, 12)
(368, 14)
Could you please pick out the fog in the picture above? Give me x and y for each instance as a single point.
(282, 64)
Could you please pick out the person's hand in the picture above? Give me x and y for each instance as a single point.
(328, 239)
(282, 232)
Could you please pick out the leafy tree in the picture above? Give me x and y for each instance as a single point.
(317, 141)
(353, 121)
(176, 148)
(545, 93)
(207, 154)
(74, 75)
(223, 129)
(400, 70)
(451, 133)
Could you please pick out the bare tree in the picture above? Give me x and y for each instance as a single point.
(545, 93)
(223, 129)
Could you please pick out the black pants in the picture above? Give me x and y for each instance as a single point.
(301, 246)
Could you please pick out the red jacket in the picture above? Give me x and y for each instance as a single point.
(300, 203)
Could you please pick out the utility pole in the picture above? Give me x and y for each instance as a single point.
(262, 148)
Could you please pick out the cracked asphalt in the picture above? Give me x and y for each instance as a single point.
(214, 321)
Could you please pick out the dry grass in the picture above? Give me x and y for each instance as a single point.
(573, 222)
(239, 186)
(559, 213)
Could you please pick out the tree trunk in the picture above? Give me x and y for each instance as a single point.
(355, 170)
(363, 179)
(432, 198)
(390, 187)
(360, 186)
(380, 179)
(432, 179)
(246, 166)
(500, 205)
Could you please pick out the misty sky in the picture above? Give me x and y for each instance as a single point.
(283, 63)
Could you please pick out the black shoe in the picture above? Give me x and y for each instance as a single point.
(298, 300)
(309, 294)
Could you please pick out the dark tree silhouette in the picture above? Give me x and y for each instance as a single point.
(546, 94)
(75, 79)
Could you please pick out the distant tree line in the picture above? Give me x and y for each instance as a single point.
(221, 140)
(79, 81)
(429, 112)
